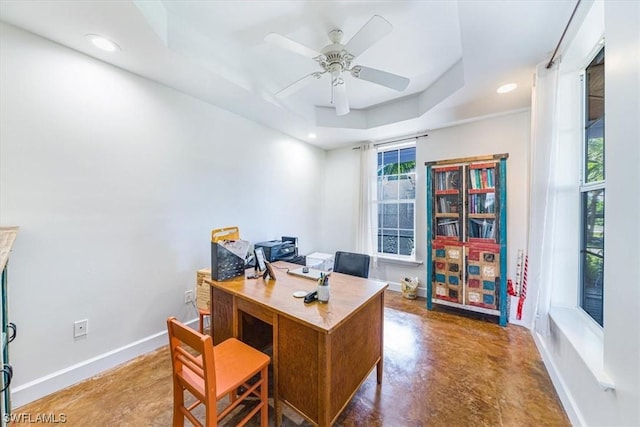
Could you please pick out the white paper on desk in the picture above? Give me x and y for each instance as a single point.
(239, 248)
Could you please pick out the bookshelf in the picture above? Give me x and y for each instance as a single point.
(8, 329)
(466, 236)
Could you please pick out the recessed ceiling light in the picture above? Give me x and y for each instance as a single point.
(507, 88)
(312, 135)
(102, 42)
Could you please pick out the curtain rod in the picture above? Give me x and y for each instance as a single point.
(550, 64)
(406, 138)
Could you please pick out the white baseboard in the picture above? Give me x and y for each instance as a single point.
(568, 403)
(41, 387)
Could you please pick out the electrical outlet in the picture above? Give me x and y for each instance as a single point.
(188, 297)
(80, 328)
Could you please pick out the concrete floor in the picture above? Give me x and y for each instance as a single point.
(440, 369)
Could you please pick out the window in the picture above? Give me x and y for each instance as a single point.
(592, 192)
(396, 174)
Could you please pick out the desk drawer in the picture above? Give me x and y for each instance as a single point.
(255, 310)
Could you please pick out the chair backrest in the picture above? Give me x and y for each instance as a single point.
(192, 361)
(352, 263)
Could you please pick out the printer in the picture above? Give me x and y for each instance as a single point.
(279, 250)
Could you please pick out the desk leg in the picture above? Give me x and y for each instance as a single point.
(276, 397)
(324, 379)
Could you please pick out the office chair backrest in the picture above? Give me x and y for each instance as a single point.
(352, 263)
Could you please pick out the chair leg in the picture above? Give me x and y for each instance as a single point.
(211, 414)
(178, 402)
(264, 397)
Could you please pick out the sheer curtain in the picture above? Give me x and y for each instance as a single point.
(543, 187)
(367, 235)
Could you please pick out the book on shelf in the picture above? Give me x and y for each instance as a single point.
(443, 205)
(448, 180)
(482, 203)
(448, 228)
(447, 205)
(482, 178)
(489, 202)
(482, 228)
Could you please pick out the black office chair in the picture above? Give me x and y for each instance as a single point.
(352, 263)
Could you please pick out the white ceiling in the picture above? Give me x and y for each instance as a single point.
(456, 54)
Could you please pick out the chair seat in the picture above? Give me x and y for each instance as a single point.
(235, 363)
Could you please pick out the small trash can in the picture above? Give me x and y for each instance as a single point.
(409, 286)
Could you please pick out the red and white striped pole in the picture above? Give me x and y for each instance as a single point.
(523, 290)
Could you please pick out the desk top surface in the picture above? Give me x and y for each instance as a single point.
(348, 294)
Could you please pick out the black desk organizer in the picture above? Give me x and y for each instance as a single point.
(224, 263)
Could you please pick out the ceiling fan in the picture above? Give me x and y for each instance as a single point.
(336, 58)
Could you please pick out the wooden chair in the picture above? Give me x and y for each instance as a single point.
(352, 263)
(211, 372)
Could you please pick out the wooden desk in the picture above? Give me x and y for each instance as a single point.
(322, 353)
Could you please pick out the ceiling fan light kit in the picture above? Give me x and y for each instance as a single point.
(336, 58)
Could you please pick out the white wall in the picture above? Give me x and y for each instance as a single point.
(617, 346)
(116, 183)
(341, 195)
(622, 211)
(504, 134)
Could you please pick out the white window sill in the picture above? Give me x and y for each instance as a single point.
(401, 261)
(586, 337)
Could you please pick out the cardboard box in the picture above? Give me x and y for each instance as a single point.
(320, 261)
(203, 290)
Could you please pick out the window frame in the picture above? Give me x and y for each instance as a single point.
(587, 187)
(381, 202)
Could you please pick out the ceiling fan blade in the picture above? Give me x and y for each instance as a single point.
(376, 28)
(382, 78)
(294, 46)
(340, 96)
(298, 84)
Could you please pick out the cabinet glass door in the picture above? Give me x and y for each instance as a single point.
(447, 206)
(482, 203)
